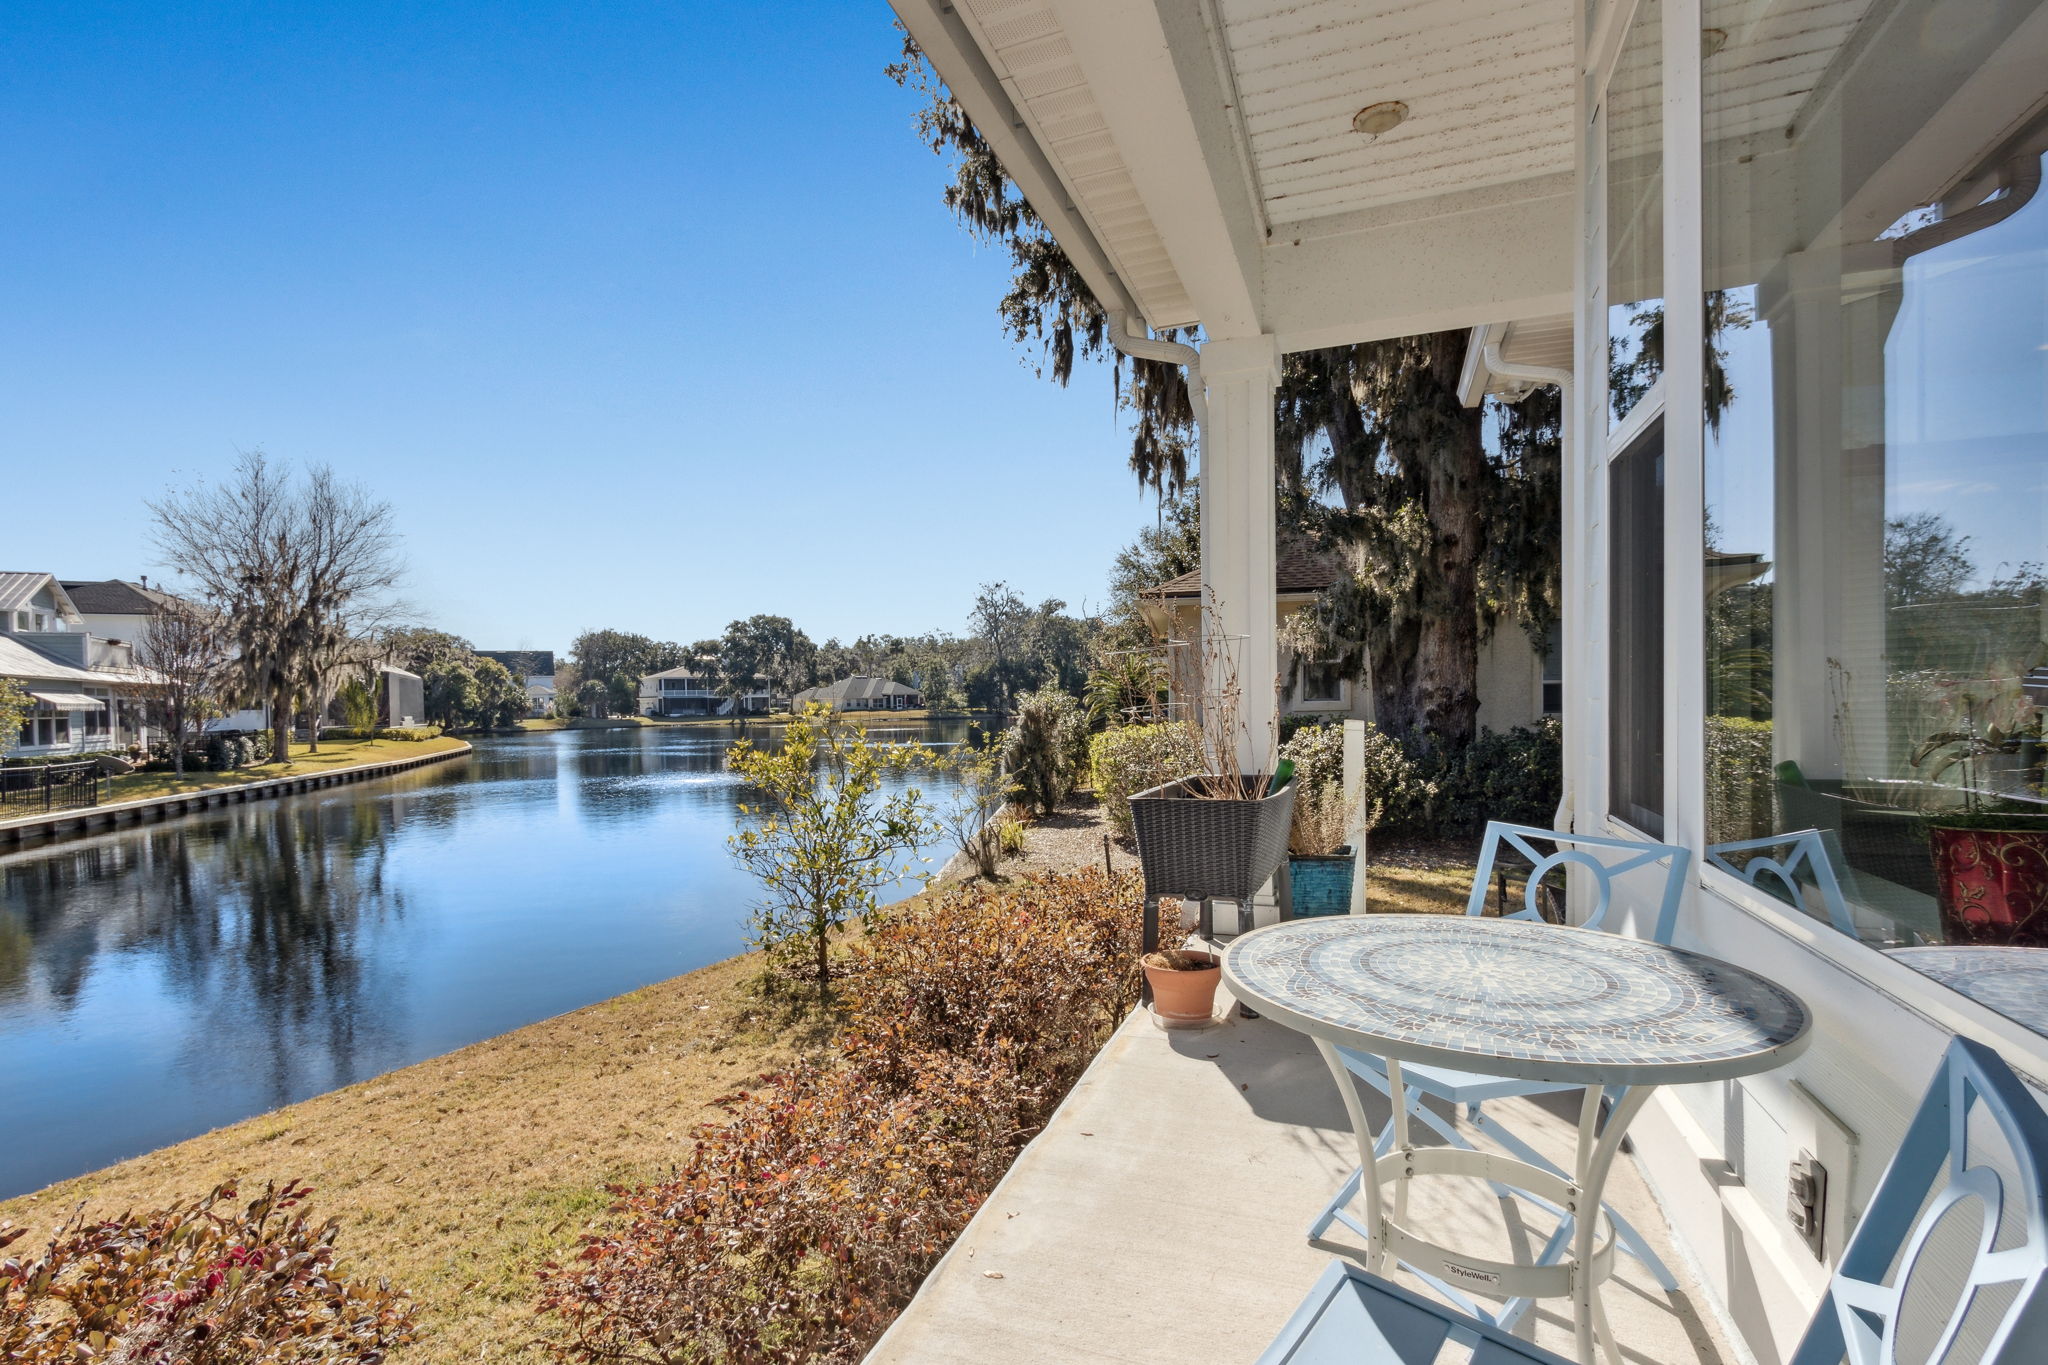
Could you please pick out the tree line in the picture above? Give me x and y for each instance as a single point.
(1010, 647)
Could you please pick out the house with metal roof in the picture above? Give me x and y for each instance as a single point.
(89, 694)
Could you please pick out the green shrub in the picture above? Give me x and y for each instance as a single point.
(1420, 790)
(1740, 790)
(44, 760)
(1133, 758)
(796, 1229)
(199, 1283)
(1045, 748)
(358, 707)
(409, 733)
(1009, 837)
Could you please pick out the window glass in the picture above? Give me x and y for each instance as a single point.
(1636, 624)
(1635, 215)
(1553, 669)
(1876, 463)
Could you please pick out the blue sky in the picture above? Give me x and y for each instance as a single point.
(643, 315)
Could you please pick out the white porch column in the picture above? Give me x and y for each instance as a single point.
(1239, 376)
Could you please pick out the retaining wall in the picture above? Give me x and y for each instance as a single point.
(153, 809)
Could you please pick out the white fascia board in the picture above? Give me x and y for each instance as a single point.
(946, 42)
(1423, 274)
(1192, 192)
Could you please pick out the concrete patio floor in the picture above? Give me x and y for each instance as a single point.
(1161, 1217)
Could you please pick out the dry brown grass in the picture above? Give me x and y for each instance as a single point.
(1432, 878)
(334, 754)
(458, 1176)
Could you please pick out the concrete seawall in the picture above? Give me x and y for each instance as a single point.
(65, 824)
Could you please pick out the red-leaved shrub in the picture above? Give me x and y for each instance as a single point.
(796, 1229)
(202, 1283)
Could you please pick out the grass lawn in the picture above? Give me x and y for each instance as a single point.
(334, 754)
(1432, 878)
(458, 1176)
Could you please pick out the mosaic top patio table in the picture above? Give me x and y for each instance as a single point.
(1617, 1015)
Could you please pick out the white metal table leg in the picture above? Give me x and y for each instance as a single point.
(1599, 1144)
(1368, 1174)
(1404, 1143)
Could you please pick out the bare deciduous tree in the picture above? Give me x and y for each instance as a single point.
(296, 570)
(184, 651)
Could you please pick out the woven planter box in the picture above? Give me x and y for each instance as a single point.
(1322, 882)
(1202, 849)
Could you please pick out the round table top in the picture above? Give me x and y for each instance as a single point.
(2013, 981)
(1517, 998)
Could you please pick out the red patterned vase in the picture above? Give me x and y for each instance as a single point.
(1993, 884)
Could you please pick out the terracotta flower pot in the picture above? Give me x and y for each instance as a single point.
(1993, 884)
(1183, 997)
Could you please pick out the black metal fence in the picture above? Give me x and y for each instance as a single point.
(49, 786)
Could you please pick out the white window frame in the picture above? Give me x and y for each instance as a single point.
(1586, 651)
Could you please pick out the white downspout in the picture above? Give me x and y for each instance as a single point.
(1497, 364)
(1142, 347)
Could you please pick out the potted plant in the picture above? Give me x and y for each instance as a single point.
(1218, 834)
(1991, 852)
(1181, 981)
(1320, 862)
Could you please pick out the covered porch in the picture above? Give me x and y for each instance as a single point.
(1770, 255)
(1159, 1218)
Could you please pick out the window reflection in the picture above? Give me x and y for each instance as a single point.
(1876, 406)
(1635, 215)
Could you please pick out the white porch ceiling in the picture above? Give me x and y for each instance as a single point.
(1208, 148)
(1488, 87)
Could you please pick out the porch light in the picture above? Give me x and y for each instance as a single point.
(1383, 117)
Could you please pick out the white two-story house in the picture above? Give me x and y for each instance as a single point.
(89, 695)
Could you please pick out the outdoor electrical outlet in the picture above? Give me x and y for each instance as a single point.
(1807, 1201)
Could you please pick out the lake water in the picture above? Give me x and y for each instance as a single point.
(166, 980)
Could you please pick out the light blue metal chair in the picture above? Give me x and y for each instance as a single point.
(1858, 1317)
(1355, 1318)
(1793, 861)
(1472, 1089)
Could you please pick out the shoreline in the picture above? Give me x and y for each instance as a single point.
(456, 1176)
(42, 830)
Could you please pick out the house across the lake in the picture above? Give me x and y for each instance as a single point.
(533, 667)
(861, 693)
(691, 690)
(89, 694)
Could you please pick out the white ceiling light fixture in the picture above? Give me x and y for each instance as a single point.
(1383, 117)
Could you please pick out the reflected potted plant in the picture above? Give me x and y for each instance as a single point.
(1991, 852)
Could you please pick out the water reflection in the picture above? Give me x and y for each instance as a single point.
(162, 981)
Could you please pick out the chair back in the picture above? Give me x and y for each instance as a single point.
(1626, 855)
(1814, 850)
(1858, 1317)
